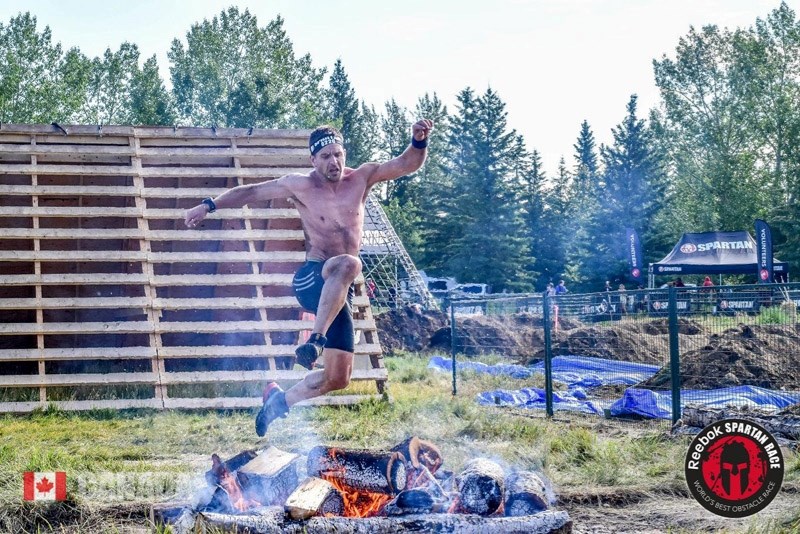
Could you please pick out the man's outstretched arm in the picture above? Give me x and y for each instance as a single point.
(239, 196)
(410, 160)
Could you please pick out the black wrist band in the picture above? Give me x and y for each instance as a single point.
(419, 144)
(210, 203)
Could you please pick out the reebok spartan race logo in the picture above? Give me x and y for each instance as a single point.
(734, 468)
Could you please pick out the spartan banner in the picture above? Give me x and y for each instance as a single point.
(634, 253)
(764, 252)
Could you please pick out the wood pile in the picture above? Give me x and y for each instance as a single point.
(356, 490)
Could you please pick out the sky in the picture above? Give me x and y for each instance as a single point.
(555, 63)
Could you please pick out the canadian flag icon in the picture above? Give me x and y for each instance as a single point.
(45, 486)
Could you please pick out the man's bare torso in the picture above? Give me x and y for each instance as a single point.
(332, 213)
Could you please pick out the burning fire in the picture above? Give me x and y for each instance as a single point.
(231, 486)
(359, 503)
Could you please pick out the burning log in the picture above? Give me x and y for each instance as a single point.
(219, 467)
(380, 472)
(270, 477)
(525, 494)
(419, 452)
(314, 496)
(480, 487)
(413, 501)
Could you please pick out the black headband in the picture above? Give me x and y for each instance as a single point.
(318, 145)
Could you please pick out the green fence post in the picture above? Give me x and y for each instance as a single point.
(453, 344)
(548, 357)
(674, 355)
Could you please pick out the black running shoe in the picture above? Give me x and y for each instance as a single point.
(274, 406)
(310, 351)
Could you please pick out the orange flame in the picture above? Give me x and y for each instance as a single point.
(359, 503)
(234, 491)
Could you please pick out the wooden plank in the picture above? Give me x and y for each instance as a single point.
(97, 404)
(169, 213)
(73, 279)
(220, 280)
(239, 326)
(133, 327)
(227, 257)
(82, 379)
(256, 351)
(97, 133)
(153, 257)
(225, 235)
(214, 377)
(115, 327)
(70, 354)
(75, 303)
(66, 150)
(68, 190)
(155, 235)
(45, 169)
(234, 303)
(65, 211)
(73, 255)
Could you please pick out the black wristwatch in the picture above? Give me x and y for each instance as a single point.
(210, 203)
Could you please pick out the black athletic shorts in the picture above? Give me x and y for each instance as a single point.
(307, 285)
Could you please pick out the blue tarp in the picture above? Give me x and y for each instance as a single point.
(647, 403)
(581, 371)
(573, 400)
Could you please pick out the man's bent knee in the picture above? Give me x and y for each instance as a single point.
(345, 264)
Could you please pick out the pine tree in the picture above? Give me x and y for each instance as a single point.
(491, 246)
(344, 111)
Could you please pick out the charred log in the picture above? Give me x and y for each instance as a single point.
(218, 467)
(272, 521)
(267, 520)
(178, 516)
(525, 494)
(414, 501)
(552, 522)
(420, 452)
(360, 470)
(314, 496)
(480, 487)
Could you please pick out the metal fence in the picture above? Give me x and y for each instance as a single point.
(638, 354)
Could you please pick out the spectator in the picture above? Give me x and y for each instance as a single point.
(551, 290)
(371, 288)
(679, 282)
(623, 299)
(561, 289)
(608, 286)
(707, 282)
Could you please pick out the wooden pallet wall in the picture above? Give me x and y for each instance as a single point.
(108, 301)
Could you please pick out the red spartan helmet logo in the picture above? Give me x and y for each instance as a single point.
(764, 274)
(734, 463)
(636, 273)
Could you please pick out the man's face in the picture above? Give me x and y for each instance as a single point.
(329, 162)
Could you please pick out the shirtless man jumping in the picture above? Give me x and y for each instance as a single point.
(330, 200)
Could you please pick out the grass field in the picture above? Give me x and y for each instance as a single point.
(118, 463)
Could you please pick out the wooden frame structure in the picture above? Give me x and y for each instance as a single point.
(108, 301)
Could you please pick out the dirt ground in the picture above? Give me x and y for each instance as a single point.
(760, 355)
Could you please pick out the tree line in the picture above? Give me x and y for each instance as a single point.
(721, 149)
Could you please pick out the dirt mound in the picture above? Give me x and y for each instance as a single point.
(764, 356)
(409, 328)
